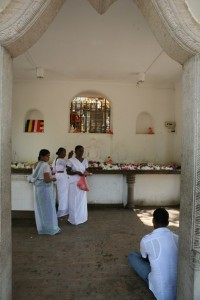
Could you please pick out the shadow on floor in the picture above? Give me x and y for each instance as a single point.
(88, 261)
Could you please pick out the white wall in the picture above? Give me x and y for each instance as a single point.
(53, 99)
(149, 190)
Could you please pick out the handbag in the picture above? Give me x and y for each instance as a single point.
(82, 184)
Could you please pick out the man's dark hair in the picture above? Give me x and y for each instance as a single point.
(78, 147)
(161, 216)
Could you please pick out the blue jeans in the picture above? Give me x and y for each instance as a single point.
(140, 265)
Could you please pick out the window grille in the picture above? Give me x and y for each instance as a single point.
(90, 115)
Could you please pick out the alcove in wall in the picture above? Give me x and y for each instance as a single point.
(144, 123)
(34, 121)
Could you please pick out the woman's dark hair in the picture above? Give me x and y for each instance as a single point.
(42, 153)
(78, 147)
(161, 216)
(60, 150)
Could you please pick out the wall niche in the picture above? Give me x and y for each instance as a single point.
(144, 124)
(34, 121)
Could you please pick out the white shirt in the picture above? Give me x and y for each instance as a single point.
(161, 248)
(76, 165)
(59, 165)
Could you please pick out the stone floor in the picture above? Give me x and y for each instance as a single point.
(88, 261)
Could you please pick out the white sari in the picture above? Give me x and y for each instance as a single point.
(62, 184)
(78, 212)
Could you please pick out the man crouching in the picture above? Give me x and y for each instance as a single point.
(156, 263)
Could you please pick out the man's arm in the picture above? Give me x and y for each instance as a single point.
(143, 249)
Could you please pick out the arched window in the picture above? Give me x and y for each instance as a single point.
(90, 115)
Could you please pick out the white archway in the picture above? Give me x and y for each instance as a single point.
(22, 24)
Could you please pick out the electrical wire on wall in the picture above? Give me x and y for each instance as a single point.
(39, 70)
(142, 75)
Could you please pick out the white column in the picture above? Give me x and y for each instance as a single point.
(5, 176)
(189, 245)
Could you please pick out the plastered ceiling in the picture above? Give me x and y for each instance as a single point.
(81, 44)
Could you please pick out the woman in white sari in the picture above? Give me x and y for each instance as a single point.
(45, 211)
(62, 181)
(77, 166)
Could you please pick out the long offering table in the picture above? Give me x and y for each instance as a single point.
(137, 171)
(148, 184)
(128, 187)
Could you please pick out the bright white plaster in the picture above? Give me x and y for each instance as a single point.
(53, 99)
(84, 52)
(80, 44)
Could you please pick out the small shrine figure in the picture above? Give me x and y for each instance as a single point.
(109, 160)
(150, 130)
(109, 131)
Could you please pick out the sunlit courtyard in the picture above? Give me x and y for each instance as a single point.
(145, 216)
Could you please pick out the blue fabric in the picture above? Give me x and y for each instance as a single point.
(34, 177)
(46, 211)
(140, 265)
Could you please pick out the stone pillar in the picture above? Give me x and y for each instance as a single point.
(189, 245)
(5, 166)
(130, 179)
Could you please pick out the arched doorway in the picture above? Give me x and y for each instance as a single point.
(180, 40)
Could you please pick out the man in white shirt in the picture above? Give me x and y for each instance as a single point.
(157, 263)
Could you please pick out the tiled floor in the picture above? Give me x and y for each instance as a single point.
(88, 261)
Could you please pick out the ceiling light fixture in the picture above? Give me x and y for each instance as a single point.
(142, 75)
(40, 72)
(141, 78)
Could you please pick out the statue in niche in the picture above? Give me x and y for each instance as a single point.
(92, 151)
